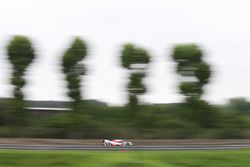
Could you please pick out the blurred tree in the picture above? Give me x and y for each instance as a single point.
(239, 104)
(135, 59)
(194, 74)
(3, 114)
(73, 69)
(20, 54)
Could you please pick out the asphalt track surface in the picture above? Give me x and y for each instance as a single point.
(130, 148)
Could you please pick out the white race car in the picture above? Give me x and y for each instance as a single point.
(116, 142)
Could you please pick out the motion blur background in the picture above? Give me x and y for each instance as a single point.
(220, 27)
(126, 69)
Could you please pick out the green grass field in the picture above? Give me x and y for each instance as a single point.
(237, 158)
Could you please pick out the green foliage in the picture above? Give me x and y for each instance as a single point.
(135, 85)
(193, 119)
(130, 57)
(192, 68)
(133, 55)
(20, 54)
(74, 54)
(239, 105)
(73, 69)
(196, 119)
(187, 52)
(203, 73)
(3, 114)
(215, 158)
(195, 74)
(202, 113)
(190, 89)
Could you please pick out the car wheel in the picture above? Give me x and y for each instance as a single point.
(127, 144)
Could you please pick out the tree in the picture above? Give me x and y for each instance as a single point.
(20, 54)
(195, 74)
(73, 69)
(135, 59)
(239, 104)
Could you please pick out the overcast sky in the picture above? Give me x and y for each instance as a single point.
(221, 27)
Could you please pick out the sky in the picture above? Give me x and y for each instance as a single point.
(220, 27)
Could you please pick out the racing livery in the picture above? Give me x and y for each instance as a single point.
(116, 142)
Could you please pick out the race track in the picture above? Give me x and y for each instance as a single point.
(131, 148)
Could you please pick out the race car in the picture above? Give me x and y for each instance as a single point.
(116, 142)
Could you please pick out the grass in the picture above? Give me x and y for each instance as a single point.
(232, 158)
